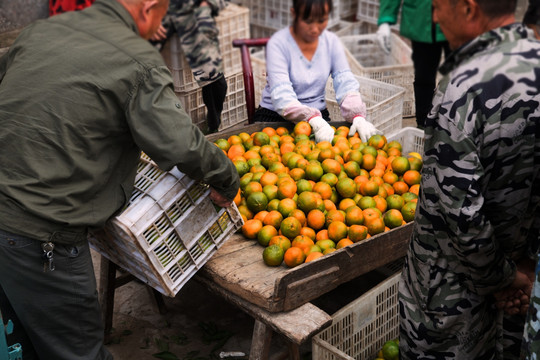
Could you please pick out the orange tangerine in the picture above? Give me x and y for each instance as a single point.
(408, 211)
(322, 235)
(344, 242)
(268, 178)
(325, 244)
(352, 169)
(286, 206)
(334, 215)
(266, 233)
(389, 189)
(346, 187)
(270, 131)
(261, 215)
(302, 128)
(323, 189)
(369, 188)
(366, 202)
(412, 177)
(290, 227)
(337, 230)
(368, 161)
(400, 165)
(251, 228)
(238, 197)
(380, 203)
(377, 141)
(400, 187)
(415, 189)
(286, 189)
(300, 215)
(286, 147)
(313, 256)
(390, 177)
(331, 166)
(314, 171)
(235, 150)
(251, 187)
(294, 256)
(245, 212)
(280, 240)
(329, 205)
(371, 214)
(357, 232)
(393, 218)
(376, 226)
(346, 203)
(354, 216)
(309, 232)
(316, 219)
(297, 174)
(395, 201)
(302, 242)
(282, 131)
(273, 218)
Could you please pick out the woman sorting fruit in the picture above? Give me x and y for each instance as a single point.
(299, 60)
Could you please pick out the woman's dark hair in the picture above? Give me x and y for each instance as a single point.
(305, 9)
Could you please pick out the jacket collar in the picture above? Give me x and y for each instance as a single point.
(487, 40)
(116, 10)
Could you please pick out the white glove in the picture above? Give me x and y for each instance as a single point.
(383, 37)
(322, 130)
(364, 128)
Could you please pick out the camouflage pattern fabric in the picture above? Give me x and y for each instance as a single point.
(531, 335)
(481, 166)
(198, 33)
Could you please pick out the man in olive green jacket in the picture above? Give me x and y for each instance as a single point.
(81, 94)
(427, 43)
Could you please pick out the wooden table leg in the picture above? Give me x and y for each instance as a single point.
(260, 341)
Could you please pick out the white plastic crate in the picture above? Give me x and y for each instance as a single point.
(384, 103)
(366, 58)
(168, 231)
(357, 28)
(232, 23)
(348, 9)
(368, 10)
(276, 14)
(410, 138)
(234, 107)
(360, 329)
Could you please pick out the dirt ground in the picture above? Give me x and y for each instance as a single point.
(199, 324)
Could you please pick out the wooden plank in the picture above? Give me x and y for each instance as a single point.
(297, 325)
(238, 268)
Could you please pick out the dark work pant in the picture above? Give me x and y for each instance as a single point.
(56, 314)
(213, 98)
(426, 59)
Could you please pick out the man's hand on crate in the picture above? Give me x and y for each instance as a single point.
(219, 199)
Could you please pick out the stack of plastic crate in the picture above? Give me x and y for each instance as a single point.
(384, 104)
(366, 58)
(368, 11)
(232, 23)
(268, 16)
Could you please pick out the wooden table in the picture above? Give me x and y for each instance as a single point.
(278, 298)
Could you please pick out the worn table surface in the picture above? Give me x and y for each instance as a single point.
(238, 267)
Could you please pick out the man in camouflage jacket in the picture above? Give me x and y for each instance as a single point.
(476, 206)
(194, 22)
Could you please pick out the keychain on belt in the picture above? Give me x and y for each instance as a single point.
(48, 264)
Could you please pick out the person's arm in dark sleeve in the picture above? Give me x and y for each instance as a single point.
(164, 131)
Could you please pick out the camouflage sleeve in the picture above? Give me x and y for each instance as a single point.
(454, 196)
(216, 6)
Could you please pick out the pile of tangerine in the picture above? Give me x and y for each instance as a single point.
(301, 200)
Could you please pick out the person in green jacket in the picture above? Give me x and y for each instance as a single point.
(81, 94)
(427, 43)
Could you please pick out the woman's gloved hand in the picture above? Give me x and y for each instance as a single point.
(383, 37)
(321, 129)
(364, 128)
